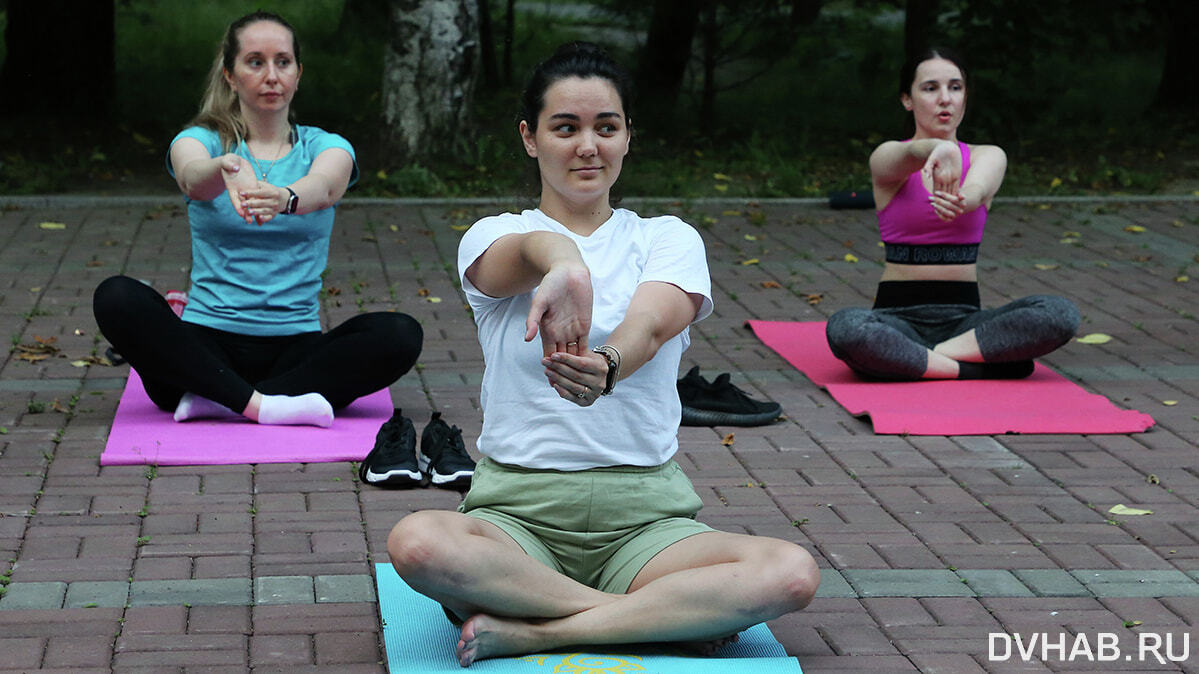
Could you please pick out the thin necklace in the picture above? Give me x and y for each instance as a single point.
(274, 161)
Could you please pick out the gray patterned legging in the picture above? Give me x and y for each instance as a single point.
(893, 342)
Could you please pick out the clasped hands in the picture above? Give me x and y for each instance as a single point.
(561, 314)
(943, 170)
(256, 201)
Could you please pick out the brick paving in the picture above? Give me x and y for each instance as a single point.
(930, 546)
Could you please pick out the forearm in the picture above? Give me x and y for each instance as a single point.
(658, 312)
(316, 192)
(201, 179)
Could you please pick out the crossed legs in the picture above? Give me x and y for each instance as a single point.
(702, 588)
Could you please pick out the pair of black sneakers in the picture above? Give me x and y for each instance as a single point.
(394, 462)
(720, 403)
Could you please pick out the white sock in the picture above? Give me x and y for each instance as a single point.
(310, 409)
(192, 406)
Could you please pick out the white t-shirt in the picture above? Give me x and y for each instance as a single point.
(525, 422)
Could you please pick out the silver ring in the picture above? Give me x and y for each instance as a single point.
(572, 343)
(582, 394)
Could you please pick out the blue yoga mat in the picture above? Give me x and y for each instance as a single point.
(418, 638)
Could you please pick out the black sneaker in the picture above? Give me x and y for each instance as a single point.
(443, 455)
(719, 403)
(392, 463)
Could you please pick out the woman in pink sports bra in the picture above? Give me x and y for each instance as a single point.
(932, 193)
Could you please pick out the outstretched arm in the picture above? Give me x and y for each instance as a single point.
(326, 183)
(657, 312)
(561, 308)
(987, 166)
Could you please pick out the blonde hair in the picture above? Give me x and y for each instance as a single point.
(219, 108)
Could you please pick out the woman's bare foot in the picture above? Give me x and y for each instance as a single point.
(485, 636)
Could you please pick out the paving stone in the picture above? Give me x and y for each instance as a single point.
(235, 591)
(1149, 583)
(1051, 582)
(284, 590)
(994, 583)
(907, 583)
(22, 596)
(85, 594)
(833, 584)
(344, 589)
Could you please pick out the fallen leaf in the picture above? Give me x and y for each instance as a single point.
(1169, 403)
(369, 237)
(720, 187)
(1152, 479)
(752, 260)
(423, 292)
(1045, 267)
(32, 357)
(1176, 223)
(1044, 207)
(58, 407)
(750, 237)
(52, 225)
(459, 228)
(433, 300)
(728, 440)
(1076, 235)
(1142, 258)
(94, 263)
(142, 140)
(333, 290)
(35, 289)
(1095, 338)
(720, 176)
(850, 257)
(393, 228)
(1121, 509)
(731, 212)
(1135, 229)
(814, 298)
(381, 174)
(1056, 182)
(79, 333)
(1182, 279)
(1068, 239)
(771, 284)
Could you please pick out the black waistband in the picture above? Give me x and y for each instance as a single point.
(893, 294)
(934, 253)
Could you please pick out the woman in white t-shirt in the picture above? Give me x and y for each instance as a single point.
(579, 528)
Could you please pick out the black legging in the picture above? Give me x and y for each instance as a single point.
(362, 355)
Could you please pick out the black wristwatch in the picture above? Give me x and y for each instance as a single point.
(292, 202)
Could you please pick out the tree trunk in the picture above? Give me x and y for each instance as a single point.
(487, 45)
(509, 36)
(1179, 87)
(49, 42)
(664, 62)
(429, 73)
(711, 43)
(920, 15)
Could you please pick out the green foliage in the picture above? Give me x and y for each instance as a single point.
(809, 103)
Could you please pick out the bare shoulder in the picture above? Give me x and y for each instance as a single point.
(990, 153)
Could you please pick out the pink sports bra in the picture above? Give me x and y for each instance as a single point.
(913, 234)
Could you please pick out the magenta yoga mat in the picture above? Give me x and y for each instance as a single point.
(1045, 402)
(143, 434)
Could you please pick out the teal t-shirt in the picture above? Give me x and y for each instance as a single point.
(260, 280)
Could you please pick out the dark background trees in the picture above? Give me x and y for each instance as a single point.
(784, 96)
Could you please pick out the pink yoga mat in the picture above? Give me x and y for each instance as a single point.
(143, 434)
(1045, 402)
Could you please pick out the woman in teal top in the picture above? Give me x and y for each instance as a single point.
(261, 194)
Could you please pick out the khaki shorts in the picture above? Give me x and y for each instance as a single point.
(597, 526)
